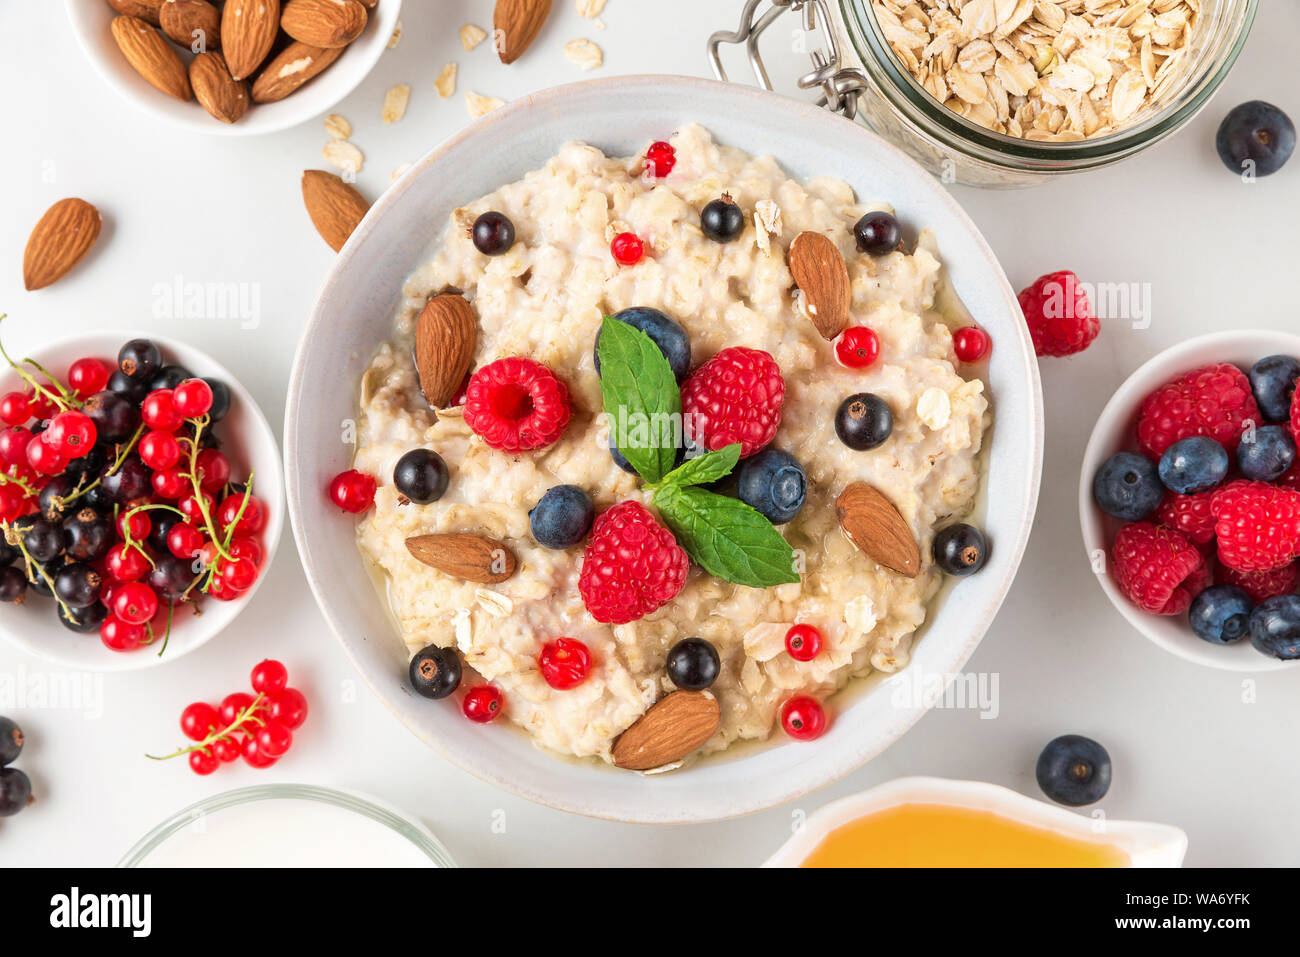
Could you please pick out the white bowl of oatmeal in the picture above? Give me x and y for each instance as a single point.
(545, 300)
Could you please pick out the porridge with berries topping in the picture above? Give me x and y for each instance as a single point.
(535, 575)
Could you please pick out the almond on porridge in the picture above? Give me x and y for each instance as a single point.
(1048, 70)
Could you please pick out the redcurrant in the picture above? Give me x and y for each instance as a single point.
(88, 376)
(804, 642)
(803, 718)
(225, 750)
(289, 707)
(73, 433)
(251, 520)
(126, 563)
(45, 458)
(134, 525)
(170, 483)
(246, 548)
(118, 635)
(158, 411)
(352, 491)
(274, 740)
(15, 409)
(239, 574)
(203, 762)
(627, 249)
(857, 347)
(565, 663)
(134, 603)
(159, 450)
(193, 398)
(12, 500)
(189, 507)
(660, 158)
(13, 445)
(253, 754)
(213, 470)
(971, 343)
(482, 704)
(269, 676)
(199, 720)
(232, 706)
(184, 540)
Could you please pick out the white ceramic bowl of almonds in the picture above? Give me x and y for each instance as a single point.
(354, 314)
(92, 23)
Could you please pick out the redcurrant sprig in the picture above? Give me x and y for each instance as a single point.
(248, 715)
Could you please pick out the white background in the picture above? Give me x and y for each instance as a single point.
(1194, 747)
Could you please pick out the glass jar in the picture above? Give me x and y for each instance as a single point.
(860, 75)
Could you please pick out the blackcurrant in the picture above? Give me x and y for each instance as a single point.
(421, 475)
(140, 359)
(722, 220)
(114, 415)
(493, 233)
(169, 377)
(132, 390)
(220, 400)
(171, 577)
(89, 535)
(960, 549)
(15, 791)
(693, 664)
(435, 672)
(878, 234)
(77, 584)
(44, 540)
(129, 483)
(161, 523)
(11, 741)
(13, 585)
(864, 421)
(83, 620)
(53, 502)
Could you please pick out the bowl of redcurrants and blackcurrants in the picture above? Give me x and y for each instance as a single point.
(140, 500)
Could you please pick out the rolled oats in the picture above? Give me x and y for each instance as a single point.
(480, 105)
(395, 101)
(583, 53)
(1050, 70)
(471, 36)
(445, 84)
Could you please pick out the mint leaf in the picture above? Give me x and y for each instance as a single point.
(705, 468)
(726, 537)
(641, 397)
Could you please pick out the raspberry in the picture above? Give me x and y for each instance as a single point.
(1257, 524)
(1158, 569)
(1189, 514)
(1295, 418)
(1266, 584)
(632, 565)
(516, 404)
(1058, 314)
(734, 397)
(1215, 401)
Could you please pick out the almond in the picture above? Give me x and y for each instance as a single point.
(674, 726)
(323, 23)
(194, 24)
(293, 67)
(147, 10)
(819, 270)
(62, 237)
(248, 31)
(473, 558)
(875, 526)
(517, 23)
(334, 206)
(220, 94)
(151, 56)
(446, 335)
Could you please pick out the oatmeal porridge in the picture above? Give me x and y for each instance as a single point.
(544, 297)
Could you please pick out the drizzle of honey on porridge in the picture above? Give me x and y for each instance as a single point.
(936, 835)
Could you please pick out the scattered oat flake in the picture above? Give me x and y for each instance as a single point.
(396, 38)
(338, 126)
(395, 102)
(446, 82)
(590, 8)
(767, 223)
(471, 36)
(583, 53)
(343, 155)
(480, 105)
(398, 173)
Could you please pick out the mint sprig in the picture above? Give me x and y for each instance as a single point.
(723, 535)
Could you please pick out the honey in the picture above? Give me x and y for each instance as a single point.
(939, 835)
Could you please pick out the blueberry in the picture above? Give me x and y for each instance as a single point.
(11, 741)
(77, 585)
(421, 475)
(1221, 614)
(878, 234)
(562, 517)
(1074, 770)
(693, 664)
(1266, 453)
(435, 672)
(1193, 465)
(1128, 487)
(666, 334)
(13, 585)
(1275, 627)
(140, 360)
(774, 483)
(864, 421)
(493, 233)
(83, 620)
(960, 550)
(1256, 134)
(1273, 379)
(722, 220)
(15, 791)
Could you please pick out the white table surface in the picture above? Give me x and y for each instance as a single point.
(1210, 751)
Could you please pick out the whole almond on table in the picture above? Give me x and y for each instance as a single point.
(820, 273)
(194, 24)
(323, 23)
(220, 94)
(334, 206)
(248, 31)
(446, 334)
(675, 725)
(876, 527)
(472, 558)
(147, 10)
(151, 56)
(60, 240)
(292, 68)
(517, 23)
